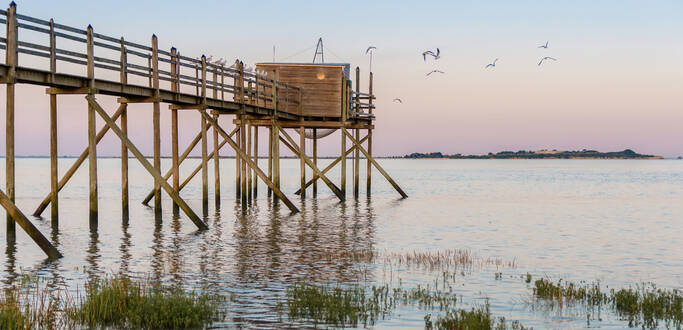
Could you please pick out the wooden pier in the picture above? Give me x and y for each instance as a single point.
(288, 96)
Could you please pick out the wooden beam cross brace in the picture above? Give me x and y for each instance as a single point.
(372, 160)
(28, 227)
(331, 166)
(145, 163)
(315, 169)
(251, 164)
(84, 155)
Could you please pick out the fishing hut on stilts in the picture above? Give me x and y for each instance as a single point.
(312, 98)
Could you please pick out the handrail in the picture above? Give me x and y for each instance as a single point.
(245, 87)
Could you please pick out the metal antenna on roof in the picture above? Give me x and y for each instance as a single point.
(319, 50)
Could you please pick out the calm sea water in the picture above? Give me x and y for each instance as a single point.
(616, 221)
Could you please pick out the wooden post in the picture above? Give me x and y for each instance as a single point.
(216, 164)
(330, 166)
(205, 172)
(79, 161)
(379, 168)
(14, 213)
(216, 153)
(243, 132)
(145, 163)
(54, 170)
(356, 155)
(343, 164)
(124, 128)
(276, 191)
(276, 134)
(270, 157)
(249, 144)
(238, 140)
(11, 56)
(302, 161)
(156, 122)
(368, 172)
(253, 172)
(92, 143)
(175, 164)
(315, 160)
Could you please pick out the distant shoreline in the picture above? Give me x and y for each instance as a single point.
(541, 154)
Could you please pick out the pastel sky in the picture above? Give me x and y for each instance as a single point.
(618, 81)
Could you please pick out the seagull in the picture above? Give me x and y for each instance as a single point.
(369, 49)
(544, 46)
(220, 62)
(434, 71)
(493, 65)
(546, 58)
(431, 53)
(398, 100)
(208, 59)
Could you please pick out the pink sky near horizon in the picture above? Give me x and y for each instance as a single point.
(617, 83)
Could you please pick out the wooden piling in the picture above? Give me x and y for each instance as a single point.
(11, 61)
(253, 172)
(92, 143)
(368, 171)
(205, 172)
(238, 192)
(156, 122)
(175, 163)
(249, 144)
(356, 154)
(243, 132)
(343, 164)
(124, 129)
(302, 161)
(315, 161)
(216, 165)
(145, 163)
(54, 169)
(14, 213)
(270, 157)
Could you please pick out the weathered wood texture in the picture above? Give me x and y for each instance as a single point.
(319, 97)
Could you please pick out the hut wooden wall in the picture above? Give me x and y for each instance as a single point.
(320, 97)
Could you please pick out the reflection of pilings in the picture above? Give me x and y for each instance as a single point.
(93, 256)
(124, 248)
(157, 249)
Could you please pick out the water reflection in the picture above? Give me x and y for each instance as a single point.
(10, 262)
(124, 248)
(93, 255)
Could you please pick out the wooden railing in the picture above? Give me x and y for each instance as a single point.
(159, 69)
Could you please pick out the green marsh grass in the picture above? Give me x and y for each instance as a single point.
(644, 306)
(476, 318)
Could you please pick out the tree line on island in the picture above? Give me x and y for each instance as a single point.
(541, 154)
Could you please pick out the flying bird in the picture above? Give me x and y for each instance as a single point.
(544, 46)
(369, 49)
(491, 65)
(432, 54)
(434, 71)
(546, 58)
(398, 100)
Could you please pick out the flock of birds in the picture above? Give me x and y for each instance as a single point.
(435, 55)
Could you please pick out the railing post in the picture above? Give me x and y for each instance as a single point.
(124, 129)
(92, 142)
(174, 128)
(156, 122)
(369, 164)
(11, 58)
(205, 175)
(54, 172)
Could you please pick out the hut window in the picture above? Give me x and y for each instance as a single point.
(320, 75)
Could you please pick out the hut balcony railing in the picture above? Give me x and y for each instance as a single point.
(176, 72)
(361, 105)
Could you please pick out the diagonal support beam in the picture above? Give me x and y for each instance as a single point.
(331, 166)
(372, 160)
(243, 157)
(315, 169)
(84, 155)
(145, 163)
(199, 167)
(28, 227)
